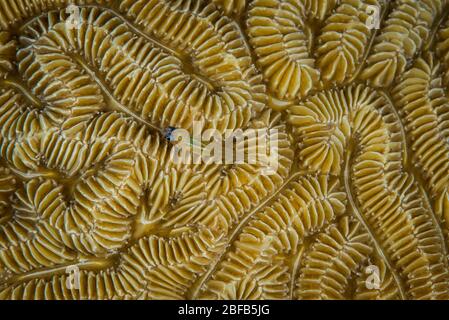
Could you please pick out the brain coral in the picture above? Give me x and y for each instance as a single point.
(93, 207)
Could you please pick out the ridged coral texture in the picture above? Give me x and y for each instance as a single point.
(93, 207)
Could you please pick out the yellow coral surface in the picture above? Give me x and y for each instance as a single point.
(93, 207)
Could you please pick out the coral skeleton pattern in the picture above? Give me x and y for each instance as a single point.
(354, 93)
